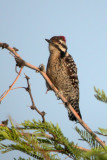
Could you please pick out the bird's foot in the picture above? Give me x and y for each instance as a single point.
(42, 67)
(58, 94)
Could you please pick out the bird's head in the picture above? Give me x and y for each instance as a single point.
(57, 43)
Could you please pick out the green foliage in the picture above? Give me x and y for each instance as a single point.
(38, 140)
(57, 141)
(87, 137)
(100, 95)
(96, 154)
(44, 140)
(103, 131)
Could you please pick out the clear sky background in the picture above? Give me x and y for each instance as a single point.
(25, 25)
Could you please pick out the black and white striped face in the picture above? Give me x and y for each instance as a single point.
(57, 43)
(62, 45)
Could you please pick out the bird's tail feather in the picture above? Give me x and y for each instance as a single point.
(71, 115)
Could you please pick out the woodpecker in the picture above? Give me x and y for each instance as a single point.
(62, 71)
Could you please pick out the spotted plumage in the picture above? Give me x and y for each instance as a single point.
(62, 71)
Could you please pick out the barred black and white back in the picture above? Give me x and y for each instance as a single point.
(73, 98)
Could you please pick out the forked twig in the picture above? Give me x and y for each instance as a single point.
(6, 92)
(28, 89)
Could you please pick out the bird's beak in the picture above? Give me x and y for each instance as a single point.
(48, 40)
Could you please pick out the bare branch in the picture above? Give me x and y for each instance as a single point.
(28, 89)
(6, 92)
(18, 88)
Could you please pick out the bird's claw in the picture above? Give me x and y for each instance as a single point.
(42, 67)
(58, 94)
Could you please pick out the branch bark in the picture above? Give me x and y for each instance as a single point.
(28, 89)
(21, 62)
(6, 92)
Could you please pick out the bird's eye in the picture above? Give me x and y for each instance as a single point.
(60, 42)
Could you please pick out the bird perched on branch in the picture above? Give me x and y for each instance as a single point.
(62, 71)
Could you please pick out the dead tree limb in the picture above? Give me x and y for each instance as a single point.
(28, 89)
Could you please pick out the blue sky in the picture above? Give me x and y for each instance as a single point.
(25, 25)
